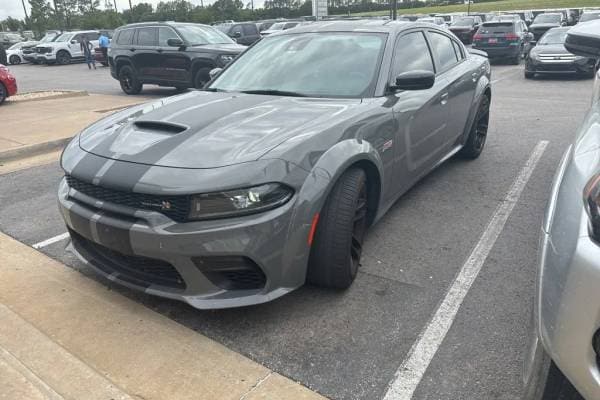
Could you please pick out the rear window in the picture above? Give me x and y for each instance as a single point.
(490, 28)
(589, 16)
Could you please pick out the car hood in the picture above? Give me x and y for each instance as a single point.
(209, 130)
(543, 26)
(219, 48)
(550, 49)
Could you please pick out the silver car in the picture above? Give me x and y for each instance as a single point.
(270, 176)
(564, 351)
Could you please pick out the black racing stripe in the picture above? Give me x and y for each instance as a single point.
(87, 168)
(115, 238)
(80, 224)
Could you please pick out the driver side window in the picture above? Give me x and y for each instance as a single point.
(411, 53)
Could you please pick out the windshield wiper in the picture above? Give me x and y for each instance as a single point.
(274, 92)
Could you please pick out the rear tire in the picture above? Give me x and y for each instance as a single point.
(14, 60)
(129, 83)
(63, 57)
(529, 75)
(337, 246)
(478, 133)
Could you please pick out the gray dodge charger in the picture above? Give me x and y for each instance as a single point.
(270, 176)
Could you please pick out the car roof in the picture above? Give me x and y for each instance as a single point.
(163, 23)
(364, 25)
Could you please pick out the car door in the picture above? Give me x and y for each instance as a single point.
(175, 62)
(251, 34)
(421, 116)
(75, 46)
(146, 58)
(460, 85)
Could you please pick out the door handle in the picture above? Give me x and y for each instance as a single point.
(444, 98)
(132, 49)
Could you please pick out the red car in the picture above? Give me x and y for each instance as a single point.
(8, 84)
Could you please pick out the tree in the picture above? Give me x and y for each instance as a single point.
(42, 16)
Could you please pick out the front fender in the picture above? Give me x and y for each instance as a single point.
(483, 85)
(317, 186)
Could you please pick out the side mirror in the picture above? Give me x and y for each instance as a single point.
(175, 42)
(414, 80)
(73, 42)
(530, 37)
(214, 72)
(237, 35)
(584, 39)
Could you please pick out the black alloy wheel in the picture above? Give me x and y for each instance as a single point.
(128, 81)
(63, 58)
(14, 60)
(478, 133)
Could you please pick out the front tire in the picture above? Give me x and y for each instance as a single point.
(337, 246)
(128, 81)
(3, 93)
(478, 133)
(547, 382)
(14, 60)
(63, 57)
(529, 75)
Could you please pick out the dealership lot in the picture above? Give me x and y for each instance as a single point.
(349, 345)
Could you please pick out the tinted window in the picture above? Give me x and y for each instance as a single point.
(147, 37)
(411, 53)
(164, 34)
(125, 36)
(458, 50)
(496, 27)
(442, 47)
(250, 29)
(77, 38)
(92, 35)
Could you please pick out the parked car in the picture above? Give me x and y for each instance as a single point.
(168, 54)
(244, 33)
(280, 26)
(506, 18)
(550, 56)
(589, 16)
(238, 194)
(543, 22)
(526, 16)
(563, 357)
(66, 48)
(465, 27)
(14, 53)
(8, 39)
(8, 84)
(508, 39)
(29, 53)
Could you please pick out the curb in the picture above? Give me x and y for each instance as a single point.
(67, 94)
(33, 150)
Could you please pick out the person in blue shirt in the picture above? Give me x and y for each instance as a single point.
(104, 43)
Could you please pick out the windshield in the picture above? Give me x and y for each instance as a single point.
(589, 17)
(277, 27)
(547, 19)
(64, 37)
(430, 20)
(224, 27)
(464, 22)
(553, 37)
(495, 27)
(49, 37)
(309, 64)
(200, 35)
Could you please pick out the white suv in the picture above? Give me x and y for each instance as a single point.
(65, 48)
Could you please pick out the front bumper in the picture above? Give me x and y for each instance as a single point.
(11, 85)
(187, 259)
(582, 66)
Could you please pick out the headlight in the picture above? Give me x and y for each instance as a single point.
(233, 203)
(226, 59)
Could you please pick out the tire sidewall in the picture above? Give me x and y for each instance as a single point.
(136, 86)
(14, 57)
(63, 57)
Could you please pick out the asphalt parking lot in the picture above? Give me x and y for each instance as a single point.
(350, 345)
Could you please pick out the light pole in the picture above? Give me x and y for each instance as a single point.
(469, 7)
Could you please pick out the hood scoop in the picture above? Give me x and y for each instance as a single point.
(160, 127)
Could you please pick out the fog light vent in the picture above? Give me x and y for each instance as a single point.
(231, 273)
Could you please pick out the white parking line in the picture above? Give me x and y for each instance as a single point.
(419, 357)
(48, 242)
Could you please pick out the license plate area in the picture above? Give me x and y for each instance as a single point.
(492, 40)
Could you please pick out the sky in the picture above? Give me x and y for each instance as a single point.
(14, 8)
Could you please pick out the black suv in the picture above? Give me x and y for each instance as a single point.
(168, 54)
(509, 39)
(244, 33)
(543, 22)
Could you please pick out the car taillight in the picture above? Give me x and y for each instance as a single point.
(591, 199)
(511, 36)
(477, 37)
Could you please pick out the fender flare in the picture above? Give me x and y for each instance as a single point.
(483, 86)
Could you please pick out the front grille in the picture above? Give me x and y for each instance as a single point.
(142, 271)
(557, 58)
(175, 207)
